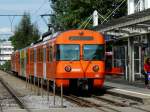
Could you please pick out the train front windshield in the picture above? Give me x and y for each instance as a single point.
(93, 52)
(68, 52)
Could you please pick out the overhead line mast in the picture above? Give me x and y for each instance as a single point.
(11, 19)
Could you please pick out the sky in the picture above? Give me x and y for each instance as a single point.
(11, 7)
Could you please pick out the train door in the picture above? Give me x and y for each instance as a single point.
(35, 61)
(44, 62)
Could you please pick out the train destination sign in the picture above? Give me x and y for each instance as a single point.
(80, 38)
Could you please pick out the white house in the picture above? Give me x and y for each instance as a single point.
(137, 6)
(6, 50)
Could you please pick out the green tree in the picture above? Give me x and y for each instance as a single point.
(72, 13)
(25, 33)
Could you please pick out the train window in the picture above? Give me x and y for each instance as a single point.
(40, 54)
(47, 57)
(22, 54)
(93, 52)
(68, 52)
(27, 57)
(32, 55)
(50, 53)
(22, 57)
(18, 58)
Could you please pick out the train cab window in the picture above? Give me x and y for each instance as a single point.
(67, 52)
(93, 52)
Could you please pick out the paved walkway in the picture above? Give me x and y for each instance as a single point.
(136, 91)
(139, 82)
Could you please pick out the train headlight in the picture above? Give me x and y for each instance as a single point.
(68, 68)
(96, 68)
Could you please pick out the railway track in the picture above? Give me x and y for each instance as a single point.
(119, 102)
(110, 105)
(85, 103)
(13, 93)
(110, 100)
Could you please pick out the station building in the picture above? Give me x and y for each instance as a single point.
(6, 50)
(130, 38)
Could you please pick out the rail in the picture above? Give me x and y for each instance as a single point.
(119, 103)
(13, 93)
(114, 102)
(85, 103)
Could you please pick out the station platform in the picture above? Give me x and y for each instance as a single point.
(56, 110)
(117, 85)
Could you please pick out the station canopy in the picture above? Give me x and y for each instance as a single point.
(127, 26)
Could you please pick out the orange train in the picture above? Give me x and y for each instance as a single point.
(74, 58)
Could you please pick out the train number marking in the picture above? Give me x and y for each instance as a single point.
(76, 70)
(96, 75)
